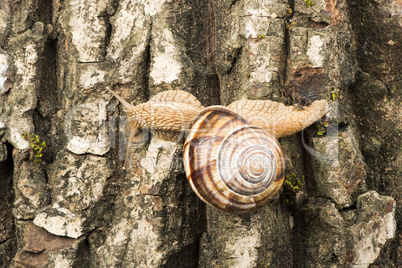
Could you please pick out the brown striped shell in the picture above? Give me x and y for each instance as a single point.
(232, 165)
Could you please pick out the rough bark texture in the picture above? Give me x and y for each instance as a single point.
(81, 208)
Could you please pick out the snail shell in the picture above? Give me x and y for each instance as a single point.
(230, 164)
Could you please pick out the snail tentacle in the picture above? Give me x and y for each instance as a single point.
(126, 105)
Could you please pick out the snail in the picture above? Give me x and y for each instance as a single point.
(231, 155)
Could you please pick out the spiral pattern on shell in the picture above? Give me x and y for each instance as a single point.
(230, 164)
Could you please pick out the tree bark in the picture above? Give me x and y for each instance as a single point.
(91, 201)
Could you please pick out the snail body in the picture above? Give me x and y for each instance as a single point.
(167, 114)
(232, 158)
(277, 118)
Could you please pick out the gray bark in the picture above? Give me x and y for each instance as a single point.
(80, 207)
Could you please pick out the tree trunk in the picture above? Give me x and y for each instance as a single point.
(74, 204)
